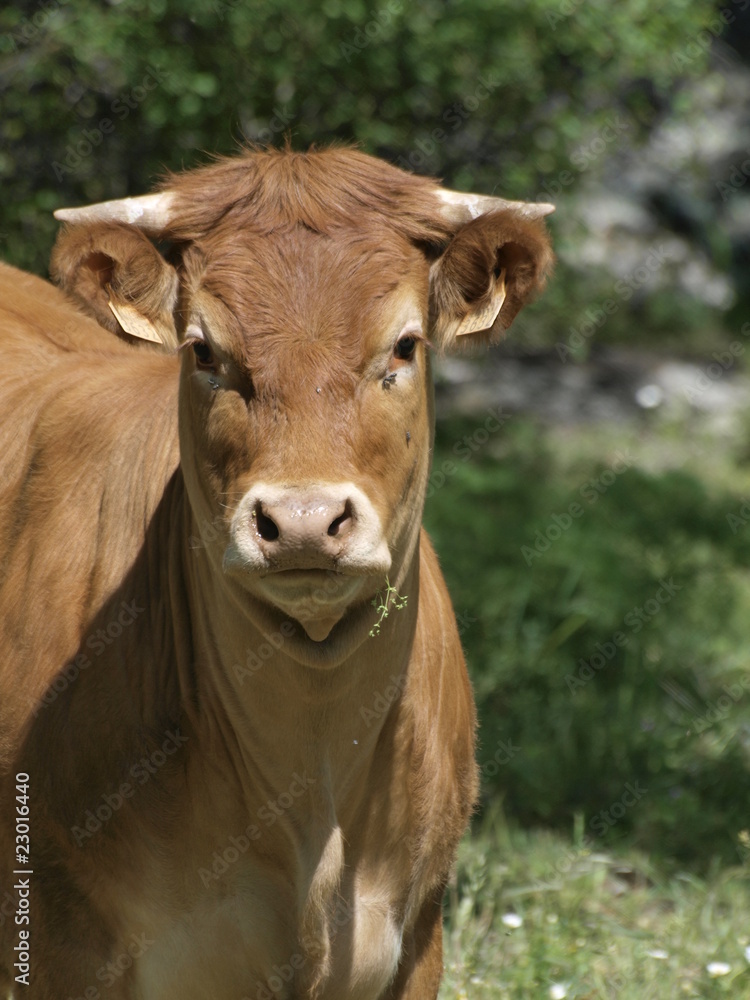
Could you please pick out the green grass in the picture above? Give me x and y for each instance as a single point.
(597, 924)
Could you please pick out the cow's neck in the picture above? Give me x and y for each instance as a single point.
(299, 749)
(285, 707)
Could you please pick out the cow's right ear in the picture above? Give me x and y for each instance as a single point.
(121, 279)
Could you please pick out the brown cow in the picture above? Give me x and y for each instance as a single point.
(235, 764)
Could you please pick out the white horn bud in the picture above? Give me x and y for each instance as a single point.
(460, 207)
(150, 211)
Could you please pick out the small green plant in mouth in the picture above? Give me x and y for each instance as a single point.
(384, 603)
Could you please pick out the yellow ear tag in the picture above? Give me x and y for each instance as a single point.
(473, 322)
(132, 321)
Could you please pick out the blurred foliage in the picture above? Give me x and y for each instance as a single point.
(569, 716)
(99, 98)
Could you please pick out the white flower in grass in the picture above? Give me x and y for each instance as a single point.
(512, 919)
(747, 954)
(557, 991)
(716, 969)
(657, 953)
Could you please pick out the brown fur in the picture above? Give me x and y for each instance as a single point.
(302, 270)
(261, 193)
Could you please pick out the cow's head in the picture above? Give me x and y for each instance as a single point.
(304, 293)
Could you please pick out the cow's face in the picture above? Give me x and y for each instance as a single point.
(305, 403)
(305, 413)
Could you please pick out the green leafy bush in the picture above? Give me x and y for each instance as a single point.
(604, 616)
(99, 98)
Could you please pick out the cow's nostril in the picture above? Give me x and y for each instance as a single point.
(342, 522)
(266, 527)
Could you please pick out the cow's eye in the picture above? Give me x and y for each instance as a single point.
(204, 356)
(405, 348)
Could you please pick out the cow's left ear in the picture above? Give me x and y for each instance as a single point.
(492, 267)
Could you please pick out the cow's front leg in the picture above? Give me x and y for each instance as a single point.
(421, 967)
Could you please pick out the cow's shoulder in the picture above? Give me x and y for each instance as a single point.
(37, 316)
(440, 705)
(88, 435)
(438, 666)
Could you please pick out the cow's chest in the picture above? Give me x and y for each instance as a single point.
(306, 900)
(246, 943)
